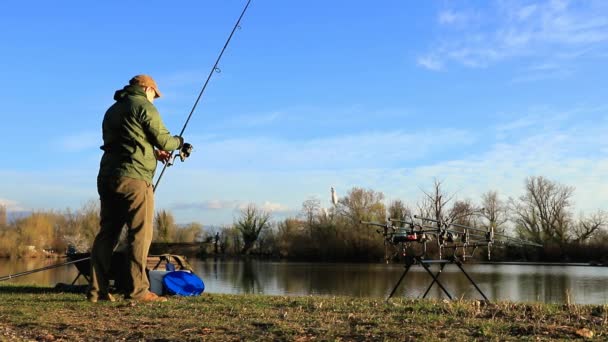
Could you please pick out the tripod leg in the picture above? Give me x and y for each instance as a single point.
(426, 267)
(471, 280)
(75, 279)
(407, 268)
(433, 282)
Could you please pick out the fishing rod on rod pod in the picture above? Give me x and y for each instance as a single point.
(186, 150)
(183, 153)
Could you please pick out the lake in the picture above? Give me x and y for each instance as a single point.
(521, 283)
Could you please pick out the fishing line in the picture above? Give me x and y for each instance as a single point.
(213, 70)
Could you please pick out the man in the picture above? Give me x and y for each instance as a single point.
(134, 138)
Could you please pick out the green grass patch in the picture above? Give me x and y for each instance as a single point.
(37, 313)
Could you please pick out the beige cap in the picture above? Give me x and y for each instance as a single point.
(145, 81)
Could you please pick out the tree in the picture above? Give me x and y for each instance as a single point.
(434, 203)
(543, 214)
(463, 212)
(38, 229)
(494, 211)
(88, 221)
(251, 222)
(164, 226)
(230, 240)
(289, 233)
(586, 227)
(310, 210)
(192, 232)
(3, 219)
(398, 210)
(361, 205)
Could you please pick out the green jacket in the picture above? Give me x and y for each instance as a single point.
(132, 127)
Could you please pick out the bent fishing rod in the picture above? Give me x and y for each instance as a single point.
(185, 151)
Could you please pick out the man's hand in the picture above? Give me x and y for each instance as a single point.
(162, 156)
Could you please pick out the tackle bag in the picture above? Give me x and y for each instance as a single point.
(183, 283)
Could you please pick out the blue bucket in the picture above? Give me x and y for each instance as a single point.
(183, 283)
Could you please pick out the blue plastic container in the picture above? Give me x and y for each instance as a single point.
(183, 283)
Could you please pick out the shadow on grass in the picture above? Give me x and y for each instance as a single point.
(59, 288)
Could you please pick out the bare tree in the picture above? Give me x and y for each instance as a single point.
(463, 212)
(543, 214)
(251, 222)
(586, 227)
(494, 211)
(311, 208)
(434, 203)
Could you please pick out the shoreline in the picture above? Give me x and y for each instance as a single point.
(238, 257)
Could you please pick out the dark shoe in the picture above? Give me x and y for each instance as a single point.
(108, 297)
(151, 297)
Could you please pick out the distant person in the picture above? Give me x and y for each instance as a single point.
(216, 242)
(134, 139)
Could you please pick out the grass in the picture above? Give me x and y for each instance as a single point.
(42, 314)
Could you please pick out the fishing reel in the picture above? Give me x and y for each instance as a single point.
(184, 153)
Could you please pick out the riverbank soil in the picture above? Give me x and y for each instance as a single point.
(42, 314)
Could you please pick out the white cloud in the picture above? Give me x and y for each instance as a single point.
(451, 17)
(526, 11)
(512, 30)
(213, 204)
(219, 205)
(269, 207)
(11, 205)
(340, 152)
(517, 124)
(430, 62)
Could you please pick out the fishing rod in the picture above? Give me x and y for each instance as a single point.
(16, 275)
(512, 239)
(185, 152)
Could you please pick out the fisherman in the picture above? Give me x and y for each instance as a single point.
(134, 139)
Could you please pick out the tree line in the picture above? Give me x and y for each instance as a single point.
(52, 233)
(544, 214)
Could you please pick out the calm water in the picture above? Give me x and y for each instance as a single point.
(523, 283)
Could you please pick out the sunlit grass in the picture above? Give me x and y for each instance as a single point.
(28, 313)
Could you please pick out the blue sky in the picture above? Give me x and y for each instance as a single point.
(388, 95)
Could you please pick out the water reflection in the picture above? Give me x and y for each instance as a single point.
(581, 284)
(61, 274)
(555, 284)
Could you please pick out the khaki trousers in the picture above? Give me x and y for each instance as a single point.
(123, 201)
